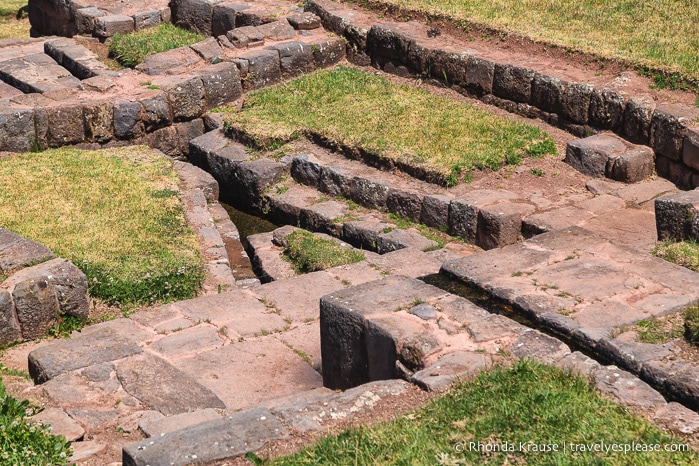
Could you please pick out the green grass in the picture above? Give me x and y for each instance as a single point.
(691, 325)
(661, 34)
(684, 253)
(116, 214)
(658, 331)
(24, 444)
(408, 125)
(131, 49)
(528, 403)
(309, 253)
(10, 26)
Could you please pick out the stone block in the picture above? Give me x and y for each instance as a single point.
(369, 193)
(10, 331)
(246, 36)
(17, 252)
(155, 427)
(449, 369)
(513, 82)
(60, 422)
(221, 83)
(450, 66)
(186, 131)
(305, 171)
(463, 210)
(165, 140)
(404, 204)
(327, 52)
(435, 211)
(627, 389)
(263, 69)
(208, 49)
(172, 62)
(195, 15)
(65, 125)
(99, 121)
(107, 26)
(85, 19)
(678, 418)
(540, 347)
(637, 118)
(128, 122)
(546, 93)
(156, 110)
(304, 21)
(591, 155)
(575, 102)
(634, 165)
(36, 305)
(676, 216)
(186, 96)
(500, 224)
(607, 109)
(364, 234)
(146, 19)
(675, 172)
(690, 149)
(321, 217)
(277, 30)
(668, 128)
(223, 17)
(18, 130)
(399, 239)
(334, 181)
(296, 58)
(479, 75)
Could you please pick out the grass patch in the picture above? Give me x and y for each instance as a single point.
(22, 443)
(659, 330)
(667, 40)
(404, 124)
(691, 325)
(684, 253)
(13, 22)
(529, 403)
(131, 49)
(309, 253)
(435, 235)
(116, 214)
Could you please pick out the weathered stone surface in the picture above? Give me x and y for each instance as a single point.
(85, 19)
(632, 355)
(479, 75)
(107, 26)
(304, 21)
(678, 418)
(575, 102)
(676, 216)
(172, 62)
(369, 193)
(146, 19)
(690, 149)
(186, 131)
(494, 327)
(186, 96)
(579, 364)
(99, 121)
(85, 449)
(221, 83)
(101, 344)
(334, 181)
(668, 128)
(461, 310)
(327, 52)
(540, 347)
(223, 17)
(156, 110)
(36, 305)
(513, 82)
(424, 311)
(435, 211)
(321, 217)
(17, 252)
(500, 224)
(546, 93)
(79, 60)
(404, 203)
(163, 387)
(127, 119)
(201, 338)
(607, 109)
(634, 165)
(194, 177)
(627, 388)
(463, 210)
(637, 118)
(363, 234)
(450, 368)
(154, 427)
(65, 125)
(209, 441)
(246, 36)
(296, 58)
(343, 339)
(277, 30)
(591, 155)
(60, 422)
(9, 325)
(17, 127)
(684, 385)
(208, 49)
(399, 239)
(305, 171)
(263, 69)
(194, 15)
(165, 140)
(556, 219)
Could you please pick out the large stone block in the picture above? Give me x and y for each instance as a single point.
(99, 121)
(334, 181)
(65, 125)
(304, 21)
(463, 210)
(36, 305)
(165, 140)
(668, 128)
(107, 26)
(609, 156)
(479, 75)
(327, 52)
(676, 216)
(17, 252)
(369, 193)
(400, 239)
(607, 109)
(208, 49)
(546, 93)
(575, 102)
(296, 58)
(128, 122)
(221, 83)
(186, 96)
(637, 118)
(223, 17)
(450, 66)
(156, 110)
(146, 19)
(364, 234)
(85, 19)
(277, 30)
(513, 82)
(404, 204)
(9, 325)
(500, 224)
(195, 15)
(263, 69)
(186, 131)
(435, 211)
(690, 149)
(17, 130)
(305, 171)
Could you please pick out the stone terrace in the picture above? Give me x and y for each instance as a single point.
(212, 378)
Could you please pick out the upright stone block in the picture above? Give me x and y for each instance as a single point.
(637, 118)
(296, 58)
(676, 216)
(513, 82)
(463, 211)
(479, 75)
(107, 26)
(500, 224)
(668, 128)
(221, 84)
(9, 325)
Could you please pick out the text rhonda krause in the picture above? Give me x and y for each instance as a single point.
(570, 447)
